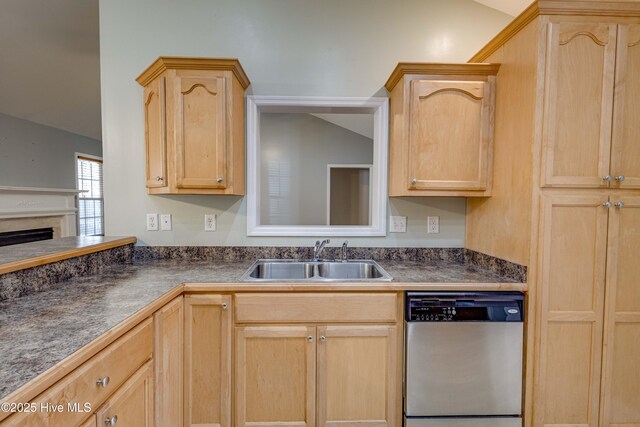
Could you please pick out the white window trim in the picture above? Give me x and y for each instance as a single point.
(76, 155)
(346, 166)
(380, 109)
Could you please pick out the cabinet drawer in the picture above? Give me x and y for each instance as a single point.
(118, 361)
(316, 307)
(132, 404)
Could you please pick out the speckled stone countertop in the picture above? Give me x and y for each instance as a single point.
(39, 330)
(17, 257)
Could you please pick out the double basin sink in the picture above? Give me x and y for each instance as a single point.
(315, 271)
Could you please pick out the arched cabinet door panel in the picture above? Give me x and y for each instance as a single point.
(449, 134)
(201, 130)
(578, 106)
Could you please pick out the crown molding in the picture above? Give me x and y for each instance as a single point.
(557, 7)
(431, 68)
(164, 63)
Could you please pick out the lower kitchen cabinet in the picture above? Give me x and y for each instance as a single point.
(588, 370)
(620, 403)
(275, 374)
(313, 360)
(356, 368)
(294, 375)
(131, 404)
(91, 422)
(207, 360)
(168, 324)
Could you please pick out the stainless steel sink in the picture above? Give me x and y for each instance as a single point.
(268, 270)
(315, 271)
(350, 270)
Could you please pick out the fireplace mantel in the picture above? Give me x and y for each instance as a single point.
(26, 206)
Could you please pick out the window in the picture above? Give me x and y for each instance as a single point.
(90, 201)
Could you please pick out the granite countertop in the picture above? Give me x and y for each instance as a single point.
(39, 330)
(25, 255)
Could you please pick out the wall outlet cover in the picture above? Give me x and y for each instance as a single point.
(397, 224)
(165, 222)
(152, 222)
(433, 224)
(210, 222)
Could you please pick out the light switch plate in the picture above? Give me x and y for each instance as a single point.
(433, 224)
(397, 224)
(165, 222)
(152, 222)
(210, 222)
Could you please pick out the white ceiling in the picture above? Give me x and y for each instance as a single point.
(50, 67)
(510, 7)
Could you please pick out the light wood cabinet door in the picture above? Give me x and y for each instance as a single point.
(578, 106)
(625, 146)
(201, 132)
(131, 404)
(207, 361)
(168, 344)
(450, 132)
(573, 260)
(357, 376)
(155, 134)
(621, 379)
(91, 422)
(275, 377)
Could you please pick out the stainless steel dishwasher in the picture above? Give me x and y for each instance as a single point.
(463, 364)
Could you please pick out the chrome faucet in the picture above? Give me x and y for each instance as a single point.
(344, 251)
(317, 250)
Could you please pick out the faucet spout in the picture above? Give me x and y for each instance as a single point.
(319, 247)
(344, 251)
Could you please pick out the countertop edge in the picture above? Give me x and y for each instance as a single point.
(355, 287)
(63, 255)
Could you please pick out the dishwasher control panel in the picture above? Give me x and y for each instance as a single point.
(470, 307)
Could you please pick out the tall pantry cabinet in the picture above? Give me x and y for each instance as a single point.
(566, 203)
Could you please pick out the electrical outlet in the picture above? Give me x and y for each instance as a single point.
(433, 224)
(152, 222)
(210, 222)
(397, 224)
(165, 222)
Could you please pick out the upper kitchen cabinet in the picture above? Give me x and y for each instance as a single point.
(441, 129)
(194, 125)
(625, 142)
(591, 117)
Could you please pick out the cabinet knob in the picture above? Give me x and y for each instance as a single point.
(159, 178)
(619, 204)
(310, 338)
(620, 178)
(607, 178)
(414, 181)
(224, 305)
(218, 180)
(111, 421)
(323, 338)
(103, 382)
(607, 204)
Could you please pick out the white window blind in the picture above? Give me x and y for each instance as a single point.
(90, 201)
